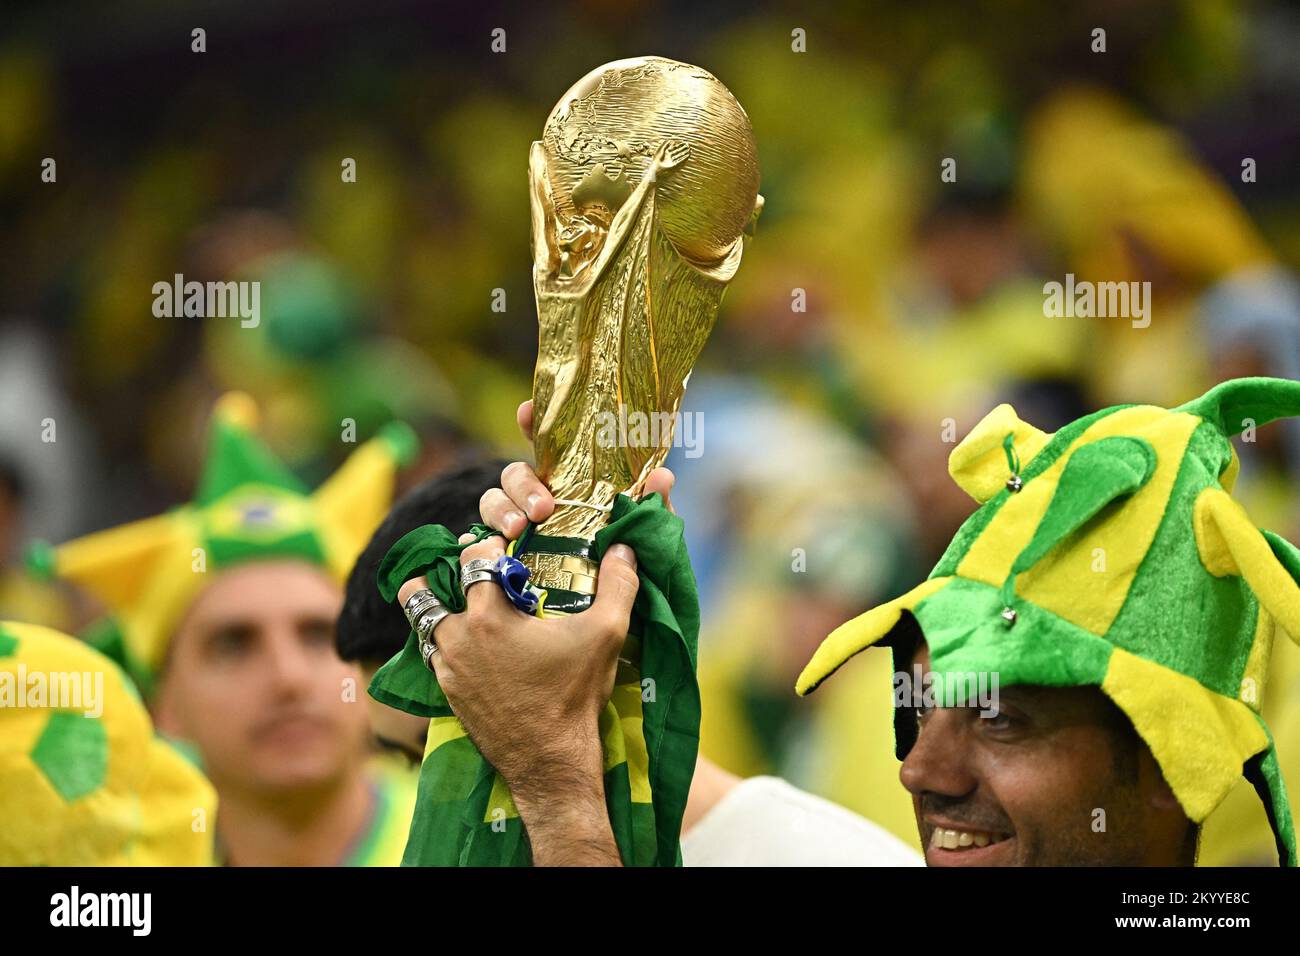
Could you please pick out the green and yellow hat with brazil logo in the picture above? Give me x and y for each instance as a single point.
(84, 780)
(1116, 557)
(249, 506)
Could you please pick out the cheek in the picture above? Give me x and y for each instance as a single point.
(344, 681)
(1051, 789)
(342, 691)
(1021, 783)
(229, 691)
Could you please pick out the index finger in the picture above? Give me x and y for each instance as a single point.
(487, 592)
(410, 587)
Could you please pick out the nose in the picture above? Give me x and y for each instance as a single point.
(939, 762)
(288, 665)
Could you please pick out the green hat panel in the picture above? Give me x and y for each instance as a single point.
(1208, 637)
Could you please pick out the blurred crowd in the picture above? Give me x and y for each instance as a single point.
(879, 313)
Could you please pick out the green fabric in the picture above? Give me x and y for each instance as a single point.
(8, 643)
(236, 458)
(72, 752)
(1040, 649)
(105, 635)
(1265, 775)
(404, 682)
(1286, 552)
(453, 824)
(1235, 404)
(667, 616)
(225, 551)
(1158, 615)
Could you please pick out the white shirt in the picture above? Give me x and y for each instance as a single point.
(764, 821)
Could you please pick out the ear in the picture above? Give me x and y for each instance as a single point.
(979, 463)
(1229, 543)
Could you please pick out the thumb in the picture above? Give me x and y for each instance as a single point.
(616, 588)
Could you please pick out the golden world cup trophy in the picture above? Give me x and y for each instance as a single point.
(644, 185)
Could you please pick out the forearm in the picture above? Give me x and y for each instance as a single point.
(562, 804)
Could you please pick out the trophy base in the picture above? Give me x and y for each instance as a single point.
(564, 567)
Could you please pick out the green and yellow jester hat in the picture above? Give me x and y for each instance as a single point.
(84, 780)
(249, 506)
(1112, 554)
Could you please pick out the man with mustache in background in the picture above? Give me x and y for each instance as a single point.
(224, 613)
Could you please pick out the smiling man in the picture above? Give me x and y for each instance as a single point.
(1127, 607)
(1003, 789)
(224, 612)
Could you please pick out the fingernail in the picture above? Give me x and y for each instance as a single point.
(623, 553)
(533, 501)
(514, 518)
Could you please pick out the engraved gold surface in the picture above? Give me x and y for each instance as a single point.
(643, 186)
(568, 572)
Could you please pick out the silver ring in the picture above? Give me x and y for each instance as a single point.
(427, 650)
(424, 629)
(419, 602)
(480, 569)
(429, 620)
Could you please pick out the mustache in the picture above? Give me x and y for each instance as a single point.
(283, 715)
(959, 811)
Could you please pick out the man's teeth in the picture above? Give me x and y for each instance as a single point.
(942, 839)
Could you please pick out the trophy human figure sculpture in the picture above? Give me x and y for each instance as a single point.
(643, 187)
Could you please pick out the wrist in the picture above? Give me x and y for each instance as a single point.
(560, 797)
(570, 831)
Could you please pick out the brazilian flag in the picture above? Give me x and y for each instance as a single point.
(464, 814)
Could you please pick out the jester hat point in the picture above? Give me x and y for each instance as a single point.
(1111, 554)
(248, 506)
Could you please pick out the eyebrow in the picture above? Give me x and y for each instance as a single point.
(235, 628)
(251, 625)
(314, 620)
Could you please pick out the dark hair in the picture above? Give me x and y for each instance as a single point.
(369, 629)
